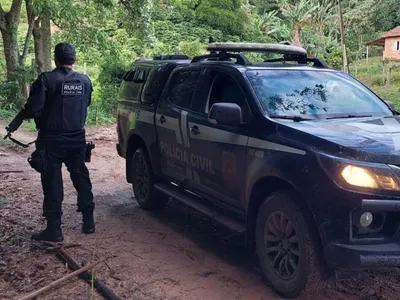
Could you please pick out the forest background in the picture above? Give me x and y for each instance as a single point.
(110, 34)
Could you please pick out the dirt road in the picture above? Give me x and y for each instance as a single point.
(172, 254)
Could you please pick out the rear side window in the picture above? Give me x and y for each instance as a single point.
(155, 84)
(183, 87)
(132, 85)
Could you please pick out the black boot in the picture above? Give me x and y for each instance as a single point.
(88, 223)
(52, 233)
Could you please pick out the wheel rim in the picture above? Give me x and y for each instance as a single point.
(141, 179)
(282, 245)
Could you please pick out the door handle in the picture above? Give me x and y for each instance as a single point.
(195, 130)
(162, 120)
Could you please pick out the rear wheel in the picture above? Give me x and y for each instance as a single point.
(143, 181)
(287, 245)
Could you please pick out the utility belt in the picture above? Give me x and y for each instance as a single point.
(39, 159)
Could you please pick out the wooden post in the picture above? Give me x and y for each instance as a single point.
(343, 38)
(383, 73)
(388, 76)
(367, 53)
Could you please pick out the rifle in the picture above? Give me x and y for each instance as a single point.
(14, 125)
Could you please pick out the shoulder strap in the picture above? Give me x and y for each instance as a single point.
(8, 136)
(72, 72)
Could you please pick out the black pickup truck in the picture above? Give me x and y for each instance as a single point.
(302, 159)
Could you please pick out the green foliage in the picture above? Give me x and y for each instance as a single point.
(334, 59)
(136, 16)
(193, 48)
(7, 113)
(11, 91)
(105, 96)
(374, 74)
(224, 15)
(110, 34)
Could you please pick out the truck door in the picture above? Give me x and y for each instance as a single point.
(171, 123)
(218, 152)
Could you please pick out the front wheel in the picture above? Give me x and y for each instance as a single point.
(143, 181)
(287, 245)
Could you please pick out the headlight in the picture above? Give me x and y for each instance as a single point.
(361, 175)
(366, 178)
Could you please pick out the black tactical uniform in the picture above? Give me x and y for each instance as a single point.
(58, 102)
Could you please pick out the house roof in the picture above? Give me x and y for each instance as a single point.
(395, 32)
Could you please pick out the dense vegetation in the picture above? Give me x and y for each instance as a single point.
(111, 34)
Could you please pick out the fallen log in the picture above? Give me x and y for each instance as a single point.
(99, 286)
(61, 280)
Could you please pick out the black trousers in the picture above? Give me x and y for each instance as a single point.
(52, 182)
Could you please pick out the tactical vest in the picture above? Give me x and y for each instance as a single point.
(66, 107)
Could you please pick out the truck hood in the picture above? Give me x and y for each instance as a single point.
(369, 139)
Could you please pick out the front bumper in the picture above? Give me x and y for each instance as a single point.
(367, 253)
(350, 256)
(380, 205)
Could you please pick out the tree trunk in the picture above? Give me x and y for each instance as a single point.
(30, 12)
(343, 39)
(46, 42)
(296, 41)
(11, 53)
(38, 45)
(9, 31)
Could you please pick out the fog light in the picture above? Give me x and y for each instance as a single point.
(366, 219)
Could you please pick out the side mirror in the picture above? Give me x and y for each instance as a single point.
(390, 104)
(226, 114)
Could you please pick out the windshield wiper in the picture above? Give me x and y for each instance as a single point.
(349, 117)
(294, 118)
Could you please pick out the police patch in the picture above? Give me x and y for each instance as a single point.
(228, 168)
(73, 89)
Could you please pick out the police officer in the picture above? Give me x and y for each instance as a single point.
(58, 102)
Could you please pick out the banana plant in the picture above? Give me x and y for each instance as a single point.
(297, 15)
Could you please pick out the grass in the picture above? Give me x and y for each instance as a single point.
(375, 74)
(392, 94)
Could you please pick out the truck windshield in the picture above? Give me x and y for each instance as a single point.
(314, 95)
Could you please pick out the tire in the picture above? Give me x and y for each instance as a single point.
(143, 181)
(287, 246)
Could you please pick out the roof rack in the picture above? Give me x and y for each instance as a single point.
(317, 62)
(223, 56)
(223, 52)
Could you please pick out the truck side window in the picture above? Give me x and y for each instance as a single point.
(225, 89)
(183, 87)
